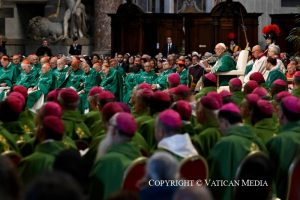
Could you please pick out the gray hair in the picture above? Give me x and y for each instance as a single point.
(274, 48)
(162, 166)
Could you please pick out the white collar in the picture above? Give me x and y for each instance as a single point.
(179, 144)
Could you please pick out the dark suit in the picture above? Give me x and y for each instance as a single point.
(167, 50)
(75, 50)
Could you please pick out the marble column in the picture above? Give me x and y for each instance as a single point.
(169, 6)
(102, 34)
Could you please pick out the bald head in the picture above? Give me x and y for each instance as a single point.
(220, 48)
(256, 51)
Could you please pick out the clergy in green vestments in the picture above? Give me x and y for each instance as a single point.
(206, 111)
(60, 74)
(129, 84)
(120, 78)
(8, 73)
(159, 102)
(115, 153)
(209, 84)
(183, 72)
(27, 117)
(10, 110)
(184, 109)
(225, 157)
(110, 79)
(247, 106)
(167, 133)
(89, 79)
(160, 82)
(141, 112)
(36, 65)
(53, 109)
(42, 86)
(235, 87)
(286, 145)
(27, 78)
(146, 76)
(93, 115)
(50, 133)
(75, 77)
(262, 120)
(274, 72)
(225, 63)
(16, 62)
(75, 128)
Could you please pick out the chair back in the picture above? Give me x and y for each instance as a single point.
(13, 156)
(193, 168)
(242, 60)
(134, 174)
(294, 180)
(254, 177)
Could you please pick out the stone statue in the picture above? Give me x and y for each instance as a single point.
(75, 19)
(55, 27)
(41, 27)
(189, 6)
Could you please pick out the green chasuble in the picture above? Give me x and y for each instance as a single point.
(74, 79)
(89, 80)
(40, 161)
(110, 81)
(226, 156)
(248, 68)
(74, 126)
(274, 75)
(120, 77)
(20, 133)
(27, 80)
(238, 97)
(107, 173)
(225, 63)
(90, 119)
(296, 92)
(43, 84)
(146, 77)
(60, 76)
(130, 82)
(184, 77)
(207, 138)
(7, 142)
(27, 119)
(187, 127)
(146, 128)
(265, 129)
(282, 150)
(161, 80)
(18, 68)
(37, 69)
(204, 91)
(8, 75)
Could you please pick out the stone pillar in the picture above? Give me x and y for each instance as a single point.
(102, 34)
(169, 6)
(157, 6)
(209, 5)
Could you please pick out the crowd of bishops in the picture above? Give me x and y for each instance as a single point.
(71, 126)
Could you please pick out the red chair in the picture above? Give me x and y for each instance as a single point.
(294, 180)
(193, 168)
(13, 156)
(134, 174)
